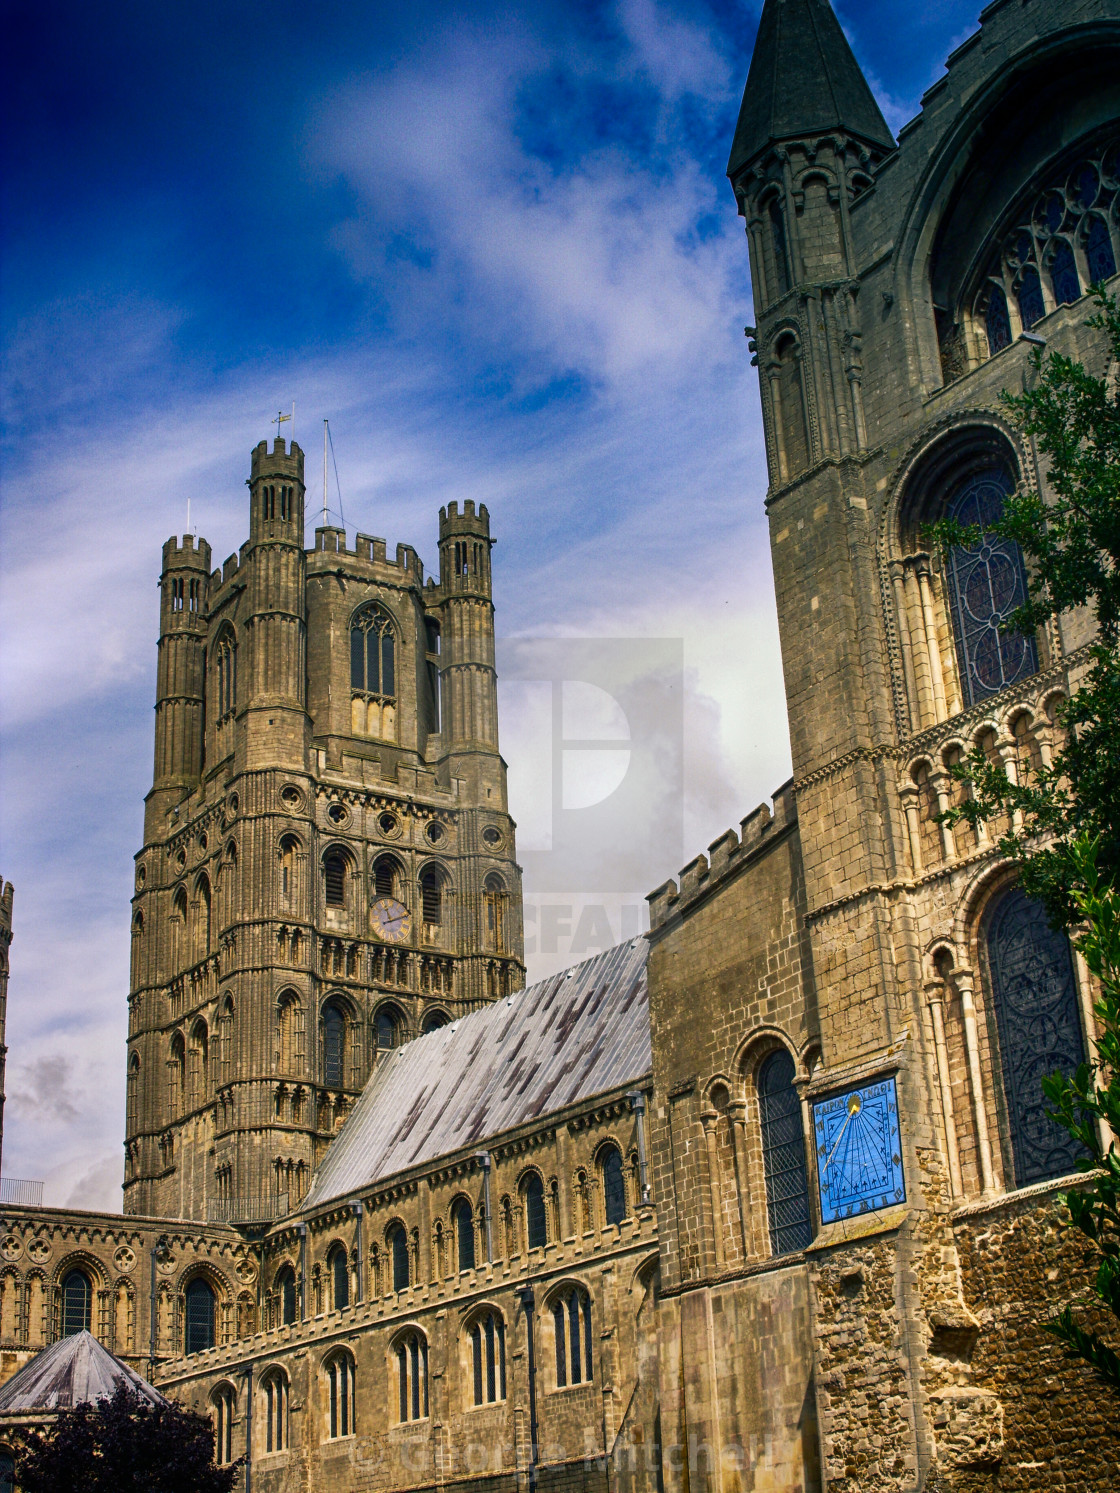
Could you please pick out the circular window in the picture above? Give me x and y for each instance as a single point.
(290, 797)
(491, 837)
(141, 876)
(181, 859)
(387, 824)
(233, 803)
(337, 814)
(434, 833)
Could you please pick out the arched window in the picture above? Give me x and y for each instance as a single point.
(571, 1326)
(997, 322)
(1028, 293)
(463, 1217)
(339, 1370)
(986, 581)
(386, 876)
(199, 1064)
(226, 687)
(488, 1358)
(289, 848)
(339, 1266)
(1063, 274)
(274, 1389)
(179, 940)
(132, 1101)
(778, 241)
(77, 1297)
(614, 1184)
(536, 1219)
(789, 415)
(176, 1073)
(202, 939)
(199, 1317)
(334, 878)
(1099, 254)
(225, 1040)
(7, 1471)
(286, 1291)
(495, 897)
(1035, 996)
(783, 1155)
(373, 682)
(289, 1034)
(334, 1047)
(397, 1240)
(388, 1025)
(412, 1376)
(431, 896)
(433, 1020)
(224, 1402)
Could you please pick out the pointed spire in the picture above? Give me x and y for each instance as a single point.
(803, 80)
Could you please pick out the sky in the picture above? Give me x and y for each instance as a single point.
(494, 245)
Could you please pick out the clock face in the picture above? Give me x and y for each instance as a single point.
(859, 1156)
(391, 920)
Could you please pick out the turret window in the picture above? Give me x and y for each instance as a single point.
(373, 674)
(177, 594)
(226, 662)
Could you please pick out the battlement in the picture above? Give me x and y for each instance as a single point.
(187, 554)
(278, 462)
(452, 522)
(330, 540)
(726, 855)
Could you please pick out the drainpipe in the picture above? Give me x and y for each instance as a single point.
(360, 1213)
(525, 1296)
(638, 1105)
(158, 1252)
(249, 1428)
(483, 1159)
(301, 1229)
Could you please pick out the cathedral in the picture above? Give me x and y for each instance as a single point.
(761, 1202)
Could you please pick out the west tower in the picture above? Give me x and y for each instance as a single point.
(328, 865)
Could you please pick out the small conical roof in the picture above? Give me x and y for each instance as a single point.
(803, 80)
(74, 1371)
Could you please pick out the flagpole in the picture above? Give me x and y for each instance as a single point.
(324, 474)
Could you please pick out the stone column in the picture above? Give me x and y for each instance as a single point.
(933, 644)
(736, 1116)
(935, 994)
(963, 980)
(708, 1119)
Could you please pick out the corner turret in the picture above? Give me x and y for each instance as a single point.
(276, 493)
(464, 548)
(181, 668)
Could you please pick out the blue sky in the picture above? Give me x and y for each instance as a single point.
(495, 245)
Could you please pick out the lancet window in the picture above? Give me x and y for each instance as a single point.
(373, 674)
(783, 1155)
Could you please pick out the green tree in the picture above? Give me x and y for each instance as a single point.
(125, 1444)
(1067, 845)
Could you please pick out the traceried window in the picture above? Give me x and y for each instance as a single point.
(986, 581)
(783, 1155)
(488, 1358)
(77, 1296)
(614, 1185)
(571, 1328)
(373, 674)
(412, 1376)
(1063, 238)
(1034, 992)
(198, 1316)
(339, 1370)
(536, 1217)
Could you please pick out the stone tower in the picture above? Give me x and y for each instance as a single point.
(328, 864)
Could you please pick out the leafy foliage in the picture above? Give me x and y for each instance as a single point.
(123, 1445)
(1064, 818)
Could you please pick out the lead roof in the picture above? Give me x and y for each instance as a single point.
(579, 1033)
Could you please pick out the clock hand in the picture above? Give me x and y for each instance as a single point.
(839, 1138)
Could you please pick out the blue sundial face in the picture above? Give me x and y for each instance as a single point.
(859, 1156)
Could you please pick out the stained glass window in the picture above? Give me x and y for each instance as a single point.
(997, 321)
(1035, 998)
(783, 1156)
(1063, 274)
(1029, 296)
(986, 582)
(1098, 250)
(199, 1317)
